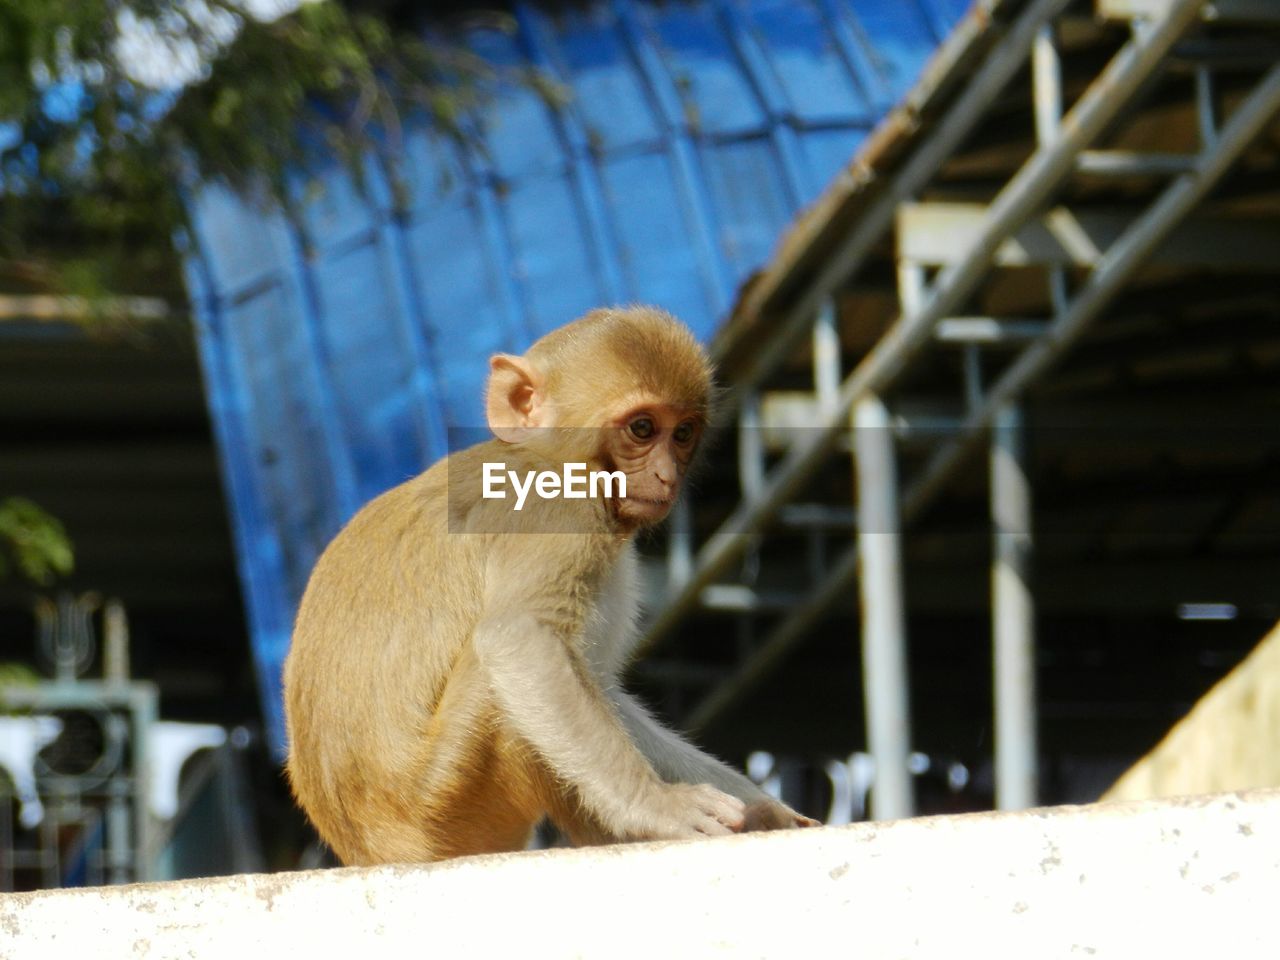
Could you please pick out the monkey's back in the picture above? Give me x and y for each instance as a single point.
(386, 614)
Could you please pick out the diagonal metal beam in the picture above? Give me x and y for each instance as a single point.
(1103, 283)
(1116, 268)
(1026, 193)
(1003, 61)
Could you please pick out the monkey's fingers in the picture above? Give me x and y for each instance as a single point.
(713, 828)
(691, 810)
(726, 810)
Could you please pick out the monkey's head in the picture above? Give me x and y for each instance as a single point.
(621, 389)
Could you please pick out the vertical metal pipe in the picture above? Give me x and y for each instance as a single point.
(680, 544)
(115, 643)
(6, 842)
(121, 866)
(751, 464)
(1206, 107)
(826, 357)
(884, 661)
(1046, 82)
(1059, 291)
(1013, 614)
(912, 286)
(972, 377)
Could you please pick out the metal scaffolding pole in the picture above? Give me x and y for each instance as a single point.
(884, 660)
(1012, 615)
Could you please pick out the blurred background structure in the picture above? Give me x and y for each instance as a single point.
(1035, 266)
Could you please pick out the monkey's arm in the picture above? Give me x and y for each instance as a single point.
(677, 760)
(547, 695)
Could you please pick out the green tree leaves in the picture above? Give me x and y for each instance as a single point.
(94, 149)
(32, 542)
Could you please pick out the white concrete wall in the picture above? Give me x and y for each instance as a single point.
(1196, 877)
(1230, 740)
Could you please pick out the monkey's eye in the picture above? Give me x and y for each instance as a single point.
(683, 433)
(642, 428)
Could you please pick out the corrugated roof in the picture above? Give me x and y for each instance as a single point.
(340, 349)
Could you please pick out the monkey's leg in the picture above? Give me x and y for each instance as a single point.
(567, 813)
(472, 786)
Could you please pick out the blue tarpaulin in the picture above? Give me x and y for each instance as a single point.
(342, 347)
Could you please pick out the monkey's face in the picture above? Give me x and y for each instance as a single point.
(652, 444)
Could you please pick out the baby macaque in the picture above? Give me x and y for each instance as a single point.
(454, 673)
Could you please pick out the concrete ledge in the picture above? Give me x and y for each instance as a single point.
(1196, 877)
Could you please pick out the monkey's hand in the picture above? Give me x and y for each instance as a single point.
(681, 811)
(769, 814)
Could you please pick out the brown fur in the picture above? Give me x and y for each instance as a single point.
(454, 666)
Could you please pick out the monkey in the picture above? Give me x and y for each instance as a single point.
(454, 671)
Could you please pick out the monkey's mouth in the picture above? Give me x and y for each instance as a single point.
(648, 504)
(646, 508)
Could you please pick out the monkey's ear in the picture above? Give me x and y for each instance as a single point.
(513, 402)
